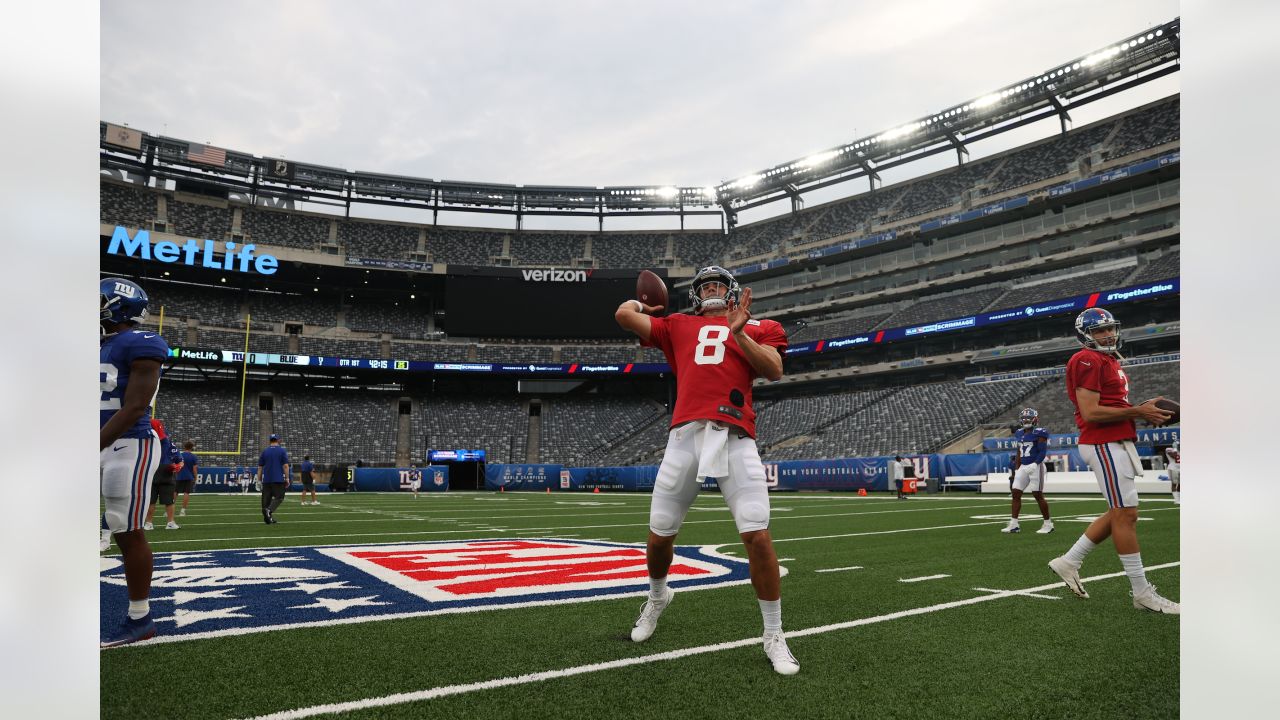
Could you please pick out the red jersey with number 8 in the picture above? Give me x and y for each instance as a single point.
(1101, 373)
(713, 377)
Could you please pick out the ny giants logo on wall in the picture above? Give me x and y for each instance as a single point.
(232, 592)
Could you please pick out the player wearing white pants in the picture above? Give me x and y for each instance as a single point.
(1099, 389)
(1029, 478)
(1114, 465)
(715, 352)
(679, 480)
(127, 467)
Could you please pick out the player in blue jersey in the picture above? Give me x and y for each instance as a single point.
(1028, 469)
(273, 475)
(187, 474)
(129, 372)
(164, 483)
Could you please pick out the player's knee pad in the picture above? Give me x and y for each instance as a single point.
(752, 516)
(665, 517)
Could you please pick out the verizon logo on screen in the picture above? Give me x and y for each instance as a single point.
(555, 275)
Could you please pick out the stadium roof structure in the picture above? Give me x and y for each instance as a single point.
(1130, 62)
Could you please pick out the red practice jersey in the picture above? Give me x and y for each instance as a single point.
(1101, 373)
(713, 377)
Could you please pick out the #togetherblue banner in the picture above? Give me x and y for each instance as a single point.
(995, 317)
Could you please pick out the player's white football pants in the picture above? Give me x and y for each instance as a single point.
(678, 482)
(127, 466)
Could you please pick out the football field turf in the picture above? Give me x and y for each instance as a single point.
(894, 609)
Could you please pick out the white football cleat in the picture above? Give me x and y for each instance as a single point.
(148, 526)
(1070, 575)
(171, 526)
(104, 541)
(182, 512)
(1149, 599)
(648, 620)
(1012, 527)
(775, 648)
(1046, 528)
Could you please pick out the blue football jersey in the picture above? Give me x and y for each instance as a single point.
(115, 356)
(1030, 450)
(189, 462)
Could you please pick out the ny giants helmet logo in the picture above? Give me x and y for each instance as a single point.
(225, 592)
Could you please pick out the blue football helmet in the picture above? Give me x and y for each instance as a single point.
(713, 274)
(121, 301)
(1095, 319)
(1028, 418)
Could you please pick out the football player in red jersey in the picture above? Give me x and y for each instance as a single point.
(715, 353)
(1097, 386)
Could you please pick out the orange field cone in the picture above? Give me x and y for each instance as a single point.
(596, 490)
(862, 492)
(502, 488)
(548, 491)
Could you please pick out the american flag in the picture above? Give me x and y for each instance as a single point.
(206, 154)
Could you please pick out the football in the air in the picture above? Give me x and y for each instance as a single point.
(650, 290)
(1169, 406)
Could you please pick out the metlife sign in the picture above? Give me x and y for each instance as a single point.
(195, 253)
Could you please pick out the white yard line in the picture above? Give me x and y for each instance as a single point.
(1024, 593)
(851, 567)
(448, 690)
(922, 578)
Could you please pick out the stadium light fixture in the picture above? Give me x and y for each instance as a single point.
(819, 158)
(667, 192)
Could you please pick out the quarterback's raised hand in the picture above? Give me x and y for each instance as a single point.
(739, 312)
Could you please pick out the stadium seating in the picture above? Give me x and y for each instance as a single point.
(337, 426)
(286, 229)
(1050, 158)
(352, 348)
(781, 419)
(126, 205)
(546, 249)
(951, 305)
(917, 418)
(597, 354)
(274, 307)
(232, 340)
(761, 238)
(1156, 125)
(215, 306)
(404, 320)
(497, 425)
(199, 221)
(701, 249)
(434, 351)
(1057, 414)
(578, 430)
(377, 240)
(1166, 266)
(628, 250)
(941, 190)
(1080, 282)
(853, 323)
(855, 214)
(206, 413)
(463, 247)
(510, 353)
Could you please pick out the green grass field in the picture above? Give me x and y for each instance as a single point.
(869, 644)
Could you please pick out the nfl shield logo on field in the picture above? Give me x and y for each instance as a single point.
(226, 592)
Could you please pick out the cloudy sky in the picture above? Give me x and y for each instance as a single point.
(580, 92)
